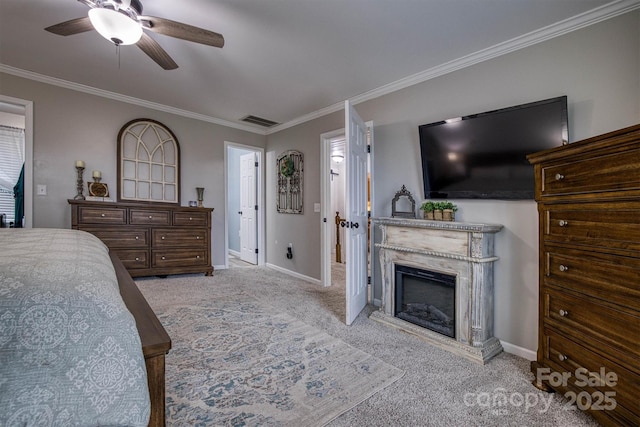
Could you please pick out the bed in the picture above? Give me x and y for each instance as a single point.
(79, 345)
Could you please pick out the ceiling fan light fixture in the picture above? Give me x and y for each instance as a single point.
(338, 158)
(114, 26)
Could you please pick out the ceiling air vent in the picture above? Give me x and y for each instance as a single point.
(259, 121)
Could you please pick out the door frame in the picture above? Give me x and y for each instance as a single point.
(326, 216)
(24, 107)
(260, 198)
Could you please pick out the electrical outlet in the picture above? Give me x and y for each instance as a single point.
(41, 189)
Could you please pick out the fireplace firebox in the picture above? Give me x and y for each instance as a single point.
(426, 298)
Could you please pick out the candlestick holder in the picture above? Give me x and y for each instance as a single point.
(200, 191)
(80, 171)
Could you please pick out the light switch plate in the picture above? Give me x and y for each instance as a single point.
(316, 207)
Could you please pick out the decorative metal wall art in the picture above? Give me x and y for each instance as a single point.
(403, 205)
(290, 168)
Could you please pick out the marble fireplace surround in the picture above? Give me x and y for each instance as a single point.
(464, 250)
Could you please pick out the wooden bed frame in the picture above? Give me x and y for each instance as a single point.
(155, 340)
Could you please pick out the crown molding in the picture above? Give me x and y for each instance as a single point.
(124, 98)
(594, 16)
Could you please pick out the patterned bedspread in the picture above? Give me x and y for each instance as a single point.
(70, 353)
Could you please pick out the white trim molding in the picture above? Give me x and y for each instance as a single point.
(294, 274)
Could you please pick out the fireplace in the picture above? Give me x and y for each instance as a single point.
(426, 298)
(437, 283)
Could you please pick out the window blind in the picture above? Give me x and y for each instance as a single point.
(11, 161)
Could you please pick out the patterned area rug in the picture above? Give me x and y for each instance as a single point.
(237, 362)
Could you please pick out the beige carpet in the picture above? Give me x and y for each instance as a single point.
(438, 388)
(236, 361)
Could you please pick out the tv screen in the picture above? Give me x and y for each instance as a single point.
(484, 156)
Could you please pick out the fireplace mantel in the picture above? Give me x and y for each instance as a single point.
(464, 250)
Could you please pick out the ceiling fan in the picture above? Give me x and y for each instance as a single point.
(122, 23)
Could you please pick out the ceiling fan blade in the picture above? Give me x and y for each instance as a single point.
(156, 52)
(182, 31)
(74, 26)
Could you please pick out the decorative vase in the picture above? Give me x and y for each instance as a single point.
(437, 215)
(428, 215)
(448, 215)
(200, 191)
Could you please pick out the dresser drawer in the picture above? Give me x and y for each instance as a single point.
(611, 226)
(179, 237)
(607, 277)
(604, 173)
(193, 219)
(133, 258)
(178, 258)
(591, 321)
(125, 237)
(96, 215)
(584, 366)
(149, 217)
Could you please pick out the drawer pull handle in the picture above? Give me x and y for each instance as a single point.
(150, 216)
(137, 259)
(197, 256)
(562, 357)
(559, 177)
(162, 257)
(190, 218)
(197, 237)
(564, 268)
(162, 237)
(563, 313)
(103, 215)
(137, 238)
(563, 223)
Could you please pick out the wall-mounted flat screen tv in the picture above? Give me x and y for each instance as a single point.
(484, 156)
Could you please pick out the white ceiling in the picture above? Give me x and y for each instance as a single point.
(284, 59)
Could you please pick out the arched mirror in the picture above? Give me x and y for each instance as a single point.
(148, 163)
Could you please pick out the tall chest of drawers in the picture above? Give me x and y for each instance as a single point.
(149, 239)
(588, 196)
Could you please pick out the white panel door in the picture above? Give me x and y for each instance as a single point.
(356, 212)
(248, 208)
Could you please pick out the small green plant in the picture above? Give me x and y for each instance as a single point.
(447, 205)
(428, 206)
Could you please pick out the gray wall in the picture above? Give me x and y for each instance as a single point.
(597, 67)
(301, 230)
(71, 125)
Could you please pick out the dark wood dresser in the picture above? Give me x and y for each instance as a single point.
(588, 196)
(150, 239)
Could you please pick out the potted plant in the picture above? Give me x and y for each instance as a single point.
(448, 211)
(428, 208)
(437, 213)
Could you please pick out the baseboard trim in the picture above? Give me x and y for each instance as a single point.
(219, 267)
(234, 253)
(518, 351)
(294, 274)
